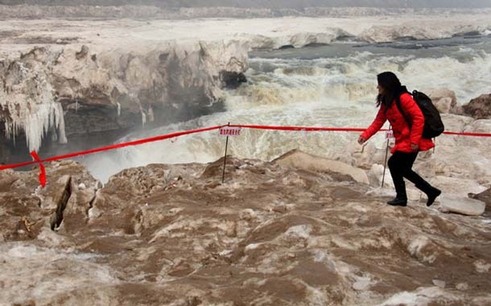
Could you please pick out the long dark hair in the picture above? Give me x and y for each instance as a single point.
(392, 88)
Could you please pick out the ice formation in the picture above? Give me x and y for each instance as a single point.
(28, 100)
(44, 83)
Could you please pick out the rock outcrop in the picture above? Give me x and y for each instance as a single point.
(174, 234)
(80, 89)
(445, 101)
(479, 108)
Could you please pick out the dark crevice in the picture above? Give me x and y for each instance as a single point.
(57, 217)
(91, 204)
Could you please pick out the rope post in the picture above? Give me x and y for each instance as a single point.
(225, 157)
(385, 162)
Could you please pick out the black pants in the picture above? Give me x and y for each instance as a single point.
(400, 166)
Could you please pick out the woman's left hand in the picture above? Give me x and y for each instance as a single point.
(414, 147)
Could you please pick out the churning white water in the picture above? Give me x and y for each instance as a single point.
(326, 86)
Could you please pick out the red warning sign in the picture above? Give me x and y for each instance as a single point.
(230, 131)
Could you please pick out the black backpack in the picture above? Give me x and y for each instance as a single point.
(433, 122)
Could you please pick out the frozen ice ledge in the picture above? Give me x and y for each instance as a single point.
(69, 90)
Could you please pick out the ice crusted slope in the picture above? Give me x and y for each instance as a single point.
(101, 87)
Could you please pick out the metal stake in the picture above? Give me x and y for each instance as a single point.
(225, 158)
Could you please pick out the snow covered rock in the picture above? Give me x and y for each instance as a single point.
(461, 205)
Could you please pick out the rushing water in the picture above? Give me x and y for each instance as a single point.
(328, 86)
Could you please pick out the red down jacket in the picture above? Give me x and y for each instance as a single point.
(403, 134)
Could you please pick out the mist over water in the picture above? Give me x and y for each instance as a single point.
(328, 86)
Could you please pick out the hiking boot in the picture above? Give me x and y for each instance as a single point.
(398, 202)
(432, 195)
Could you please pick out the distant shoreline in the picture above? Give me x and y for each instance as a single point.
(112, 12)
(269, 4)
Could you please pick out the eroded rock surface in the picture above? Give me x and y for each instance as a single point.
(270, 234)
(480, 107)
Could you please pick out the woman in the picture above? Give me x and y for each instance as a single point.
(408, 136)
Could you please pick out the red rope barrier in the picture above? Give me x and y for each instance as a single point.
(471, 134)
(42, 176)
(132, 143)
(297, 128)
(338, 129)
(110, 147)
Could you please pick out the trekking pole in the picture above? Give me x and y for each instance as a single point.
(225, 158)
(385, 162)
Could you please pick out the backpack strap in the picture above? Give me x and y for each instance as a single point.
(403, 113)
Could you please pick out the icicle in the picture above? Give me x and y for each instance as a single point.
(144, 118)
(37, 125)
(47, 116)
(150, 114)
(34, 112)
(41, 116)
(11, 130)
(61, 124)
(119, 109)
(54, 135)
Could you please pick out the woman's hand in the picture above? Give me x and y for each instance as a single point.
(414, 147)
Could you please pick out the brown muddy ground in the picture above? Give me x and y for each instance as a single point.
(269, 235)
